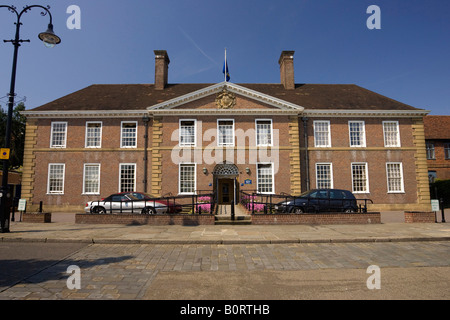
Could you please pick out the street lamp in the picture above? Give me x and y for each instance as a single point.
(50, 40)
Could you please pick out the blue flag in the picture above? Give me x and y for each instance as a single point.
(225, 70)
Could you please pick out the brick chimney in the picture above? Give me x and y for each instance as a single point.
(286, 63)
(161, 69)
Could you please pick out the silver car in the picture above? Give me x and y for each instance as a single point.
(125, 203)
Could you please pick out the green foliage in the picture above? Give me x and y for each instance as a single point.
(442, 188)
(17, 135)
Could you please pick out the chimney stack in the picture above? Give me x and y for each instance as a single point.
(286, 63)
(161, 69)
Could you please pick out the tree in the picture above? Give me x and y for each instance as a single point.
(17, 135)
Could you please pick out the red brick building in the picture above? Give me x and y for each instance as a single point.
(180, 138)
(437, 139)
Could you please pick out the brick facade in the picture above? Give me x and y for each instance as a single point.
(292, 154)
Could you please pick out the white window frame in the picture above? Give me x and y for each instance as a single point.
(86, 134)
(61, 192)
(402, 186)
(97, 192)
(397, 143)
(258, 177)
(331, 174)
(362, 134)
(367, 177)
(195, 133)
(316, 142)
(270, 133)
(121, 134)
(431, 150)
(219, 143)
(446, 150)
(63, 145)
(120, 176)
(179, 177)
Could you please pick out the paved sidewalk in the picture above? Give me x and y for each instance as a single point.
(224, 234)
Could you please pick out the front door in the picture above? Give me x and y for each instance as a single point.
(226, 191)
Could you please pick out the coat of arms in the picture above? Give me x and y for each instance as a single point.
(225, 100)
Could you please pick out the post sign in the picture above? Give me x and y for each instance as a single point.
(4, 154)
(22, 205)
(434, 205)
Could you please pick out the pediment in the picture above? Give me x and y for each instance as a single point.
(225, 97)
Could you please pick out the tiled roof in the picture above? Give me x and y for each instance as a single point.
(437, 127)
(142, 96)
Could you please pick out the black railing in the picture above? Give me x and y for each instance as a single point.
(201, 202)
(259, 203)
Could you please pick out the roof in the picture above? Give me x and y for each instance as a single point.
(437, 127)
(142, 96)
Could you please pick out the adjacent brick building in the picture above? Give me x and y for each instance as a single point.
(166, 138)
(437, 139)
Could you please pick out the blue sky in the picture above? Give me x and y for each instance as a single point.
(408, 59)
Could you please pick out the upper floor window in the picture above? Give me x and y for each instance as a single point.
(430, 150)
(93, 134)
(225, 132)
(263, 132)
(187, 133)
(322, 136)
(447, 150)
(357, 133)
(391, 134)
(128, 134)
(58, 135)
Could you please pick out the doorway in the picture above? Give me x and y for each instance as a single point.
(226, 183)
(225, 190)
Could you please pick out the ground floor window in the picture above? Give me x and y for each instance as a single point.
(265, 177)
(186, 178)
(55, 183)
(324, 176)
(91, 179)
(394, 172)
(360, 181)
(127, 181)
(432, 176)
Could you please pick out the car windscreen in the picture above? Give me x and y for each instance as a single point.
(319, 194)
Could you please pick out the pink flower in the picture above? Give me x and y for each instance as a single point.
(205, 207)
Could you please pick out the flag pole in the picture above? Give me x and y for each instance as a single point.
(225, 73)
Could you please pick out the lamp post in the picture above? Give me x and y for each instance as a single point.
(50, 40)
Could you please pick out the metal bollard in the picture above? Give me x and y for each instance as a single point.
(232, 210)
(442, 209)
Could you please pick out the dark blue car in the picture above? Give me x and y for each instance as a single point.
(320, 200)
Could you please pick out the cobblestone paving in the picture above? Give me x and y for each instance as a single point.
(119, 271)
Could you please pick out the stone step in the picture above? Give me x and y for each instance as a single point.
(231, 222)
(238, 220)
(228, 217)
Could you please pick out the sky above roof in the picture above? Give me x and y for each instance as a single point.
(406, 60)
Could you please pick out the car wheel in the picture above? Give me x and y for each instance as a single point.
(99, 210)
(297, 210)
(148, 210)
(349, 210)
